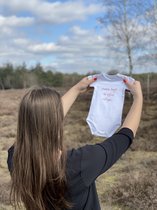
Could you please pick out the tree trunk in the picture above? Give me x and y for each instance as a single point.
(129, 54)
(129, 58)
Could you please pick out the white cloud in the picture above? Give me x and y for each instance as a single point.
(79, 42)
(6, 31)
(78, 31)
(43, 48)
(18, 5)
(16, 47)
(80, 50)
(13, 21)
(54, 12)
(65, 12)
(10, 28)
(84, 50)
(21, 41)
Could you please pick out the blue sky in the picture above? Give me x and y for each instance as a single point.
(63, 35)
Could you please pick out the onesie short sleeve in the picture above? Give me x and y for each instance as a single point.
(98, 158)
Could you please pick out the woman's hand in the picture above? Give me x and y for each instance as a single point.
(83, 85)
(135, 89)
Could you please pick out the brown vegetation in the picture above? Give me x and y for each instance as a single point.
(129, 185)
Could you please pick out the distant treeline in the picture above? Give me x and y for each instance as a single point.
(21, 77)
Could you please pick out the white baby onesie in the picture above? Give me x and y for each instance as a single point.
(105, 113)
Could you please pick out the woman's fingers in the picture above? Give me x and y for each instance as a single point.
(135, 88)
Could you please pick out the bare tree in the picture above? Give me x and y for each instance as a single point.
(122, 15)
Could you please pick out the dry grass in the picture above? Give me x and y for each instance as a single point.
(137, 190)
(128, 185)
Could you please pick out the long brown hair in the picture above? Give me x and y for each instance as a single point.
(39, 175)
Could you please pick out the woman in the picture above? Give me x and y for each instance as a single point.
(44, 175)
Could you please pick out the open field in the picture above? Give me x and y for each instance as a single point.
(129, 185)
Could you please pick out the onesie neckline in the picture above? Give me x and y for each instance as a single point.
(113, 77)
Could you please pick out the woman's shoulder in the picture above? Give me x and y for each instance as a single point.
(11, 149)
(74, 160)
(74, 155)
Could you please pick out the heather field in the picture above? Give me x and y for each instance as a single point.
(129, 185)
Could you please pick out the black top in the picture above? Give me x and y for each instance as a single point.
(86, 163)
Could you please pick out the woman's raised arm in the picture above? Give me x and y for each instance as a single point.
(70, 96)
(133, 117)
